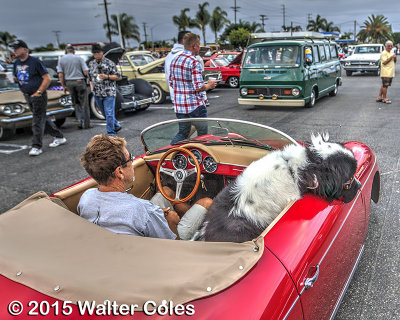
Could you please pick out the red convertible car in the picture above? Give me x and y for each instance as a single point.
(230, 55)
(53, 262)
(230, 70)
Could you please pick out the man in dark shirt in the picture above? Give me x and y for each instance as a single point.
(33, 80)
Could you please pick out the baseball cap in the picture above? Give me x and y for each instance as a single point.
(18, 44)
(69, 48)
(97, 48)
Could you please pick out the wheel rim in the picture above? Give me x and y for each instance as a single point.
(336, 88)
(95, 109)
(312, 98)
(233, 82)
(157, 93)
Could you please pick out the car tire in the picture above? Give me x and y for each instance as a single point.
(335, 90)
(158, 93)
(5, 133)
(377, 73)
(59, 122)
(233, 82)
(349, 73)
(313, 98)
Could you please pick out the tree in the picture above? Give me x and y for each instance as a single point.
(48, 47)
(317, 24)
(291, 28)
(217, 21)
(347, 35)
(238, 38)
(203, 19)
(129, 29)
(396, 37)
(250, 27)
(183, 21)
(329, 27)
(6, 38)
(376, 29)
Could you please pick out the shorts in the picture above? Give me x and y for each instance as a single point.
(386, 82)
(191, 220)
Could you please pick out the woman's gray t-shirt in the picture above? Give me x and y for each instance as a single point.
(124, 213)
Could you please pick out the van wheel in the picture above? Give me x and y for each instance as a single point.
(313, 97)
(233, 82)
(159, 94)
(334, 91)
(349, 73)
(5, 133)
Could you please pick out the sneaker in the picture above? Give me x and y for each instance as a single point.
(57, 142)
(35, 152)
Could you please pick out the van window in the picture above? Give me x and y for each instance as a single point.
(316, 55)
(322, 52)
(333, 51)
(265, 56)
(308, 54)
(328, 52)
(367, 49)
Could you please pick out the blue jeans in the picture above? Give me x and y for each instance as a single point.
(184, 127)
(107, 108)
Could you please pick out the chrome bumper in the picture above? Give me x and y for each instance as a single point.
(270, 102)
(58, 113)
(136, 104)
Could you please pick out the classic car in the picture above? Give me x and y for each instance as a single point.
(131, 95)
(230, 71)
(229, 55)
(364, 58)
(139, 64)
(298, 268)
(15, 112)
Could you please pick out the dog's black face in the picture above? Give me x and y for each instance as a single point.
(330, 174)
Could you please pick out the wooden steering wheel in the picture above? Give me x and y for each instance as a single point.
(179, 175)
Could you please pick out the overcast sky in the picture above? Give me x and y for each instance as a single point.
(82, 20)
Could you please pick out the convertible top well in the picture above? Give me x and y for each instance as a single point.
(47, 247)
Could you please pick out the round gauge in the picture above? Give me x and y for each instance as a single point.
(198, 156)
(209, 164)
(179, 161)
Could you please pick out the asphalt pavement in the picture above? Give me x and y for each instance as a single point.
(352, 115)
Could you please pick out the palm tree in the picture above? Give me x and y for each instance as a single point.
(129, 29)
(347, 35)
(329, 27)
(217, 21)
(250, 27)
(6, 38)
(203, 19)
(183, 21)
(376, 29)
(317, 24)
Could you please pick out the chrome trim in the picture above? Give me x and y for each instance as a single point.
(344, 221)
(270, 102)
(291, 308)
(217, 119)
(136, 103)
(49, 113)
(347, 284)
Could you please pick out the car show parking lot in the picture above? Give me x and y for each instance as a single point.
(351, 115)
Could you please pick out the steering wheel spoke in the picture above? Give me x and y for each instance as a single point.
(178, 190)
(189, 172)
(167, 171)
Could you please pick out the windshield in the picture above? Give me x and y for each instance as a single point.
(272, 57)
(6, 82)
(220, 131)
(219, 62)
(367, 49)
(227, 56)
(141, 59)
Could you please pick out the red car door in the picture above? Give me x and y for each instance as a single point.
(319, 244)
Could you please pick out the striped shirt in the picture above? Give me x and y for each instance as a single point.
(185, 77)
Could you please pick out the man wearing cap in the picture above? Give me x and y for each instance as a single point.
(33, 80)
(103, 74)
(72, 71)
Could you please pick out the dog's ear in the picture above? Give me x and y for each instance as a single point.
(315, 183)
(318, 139)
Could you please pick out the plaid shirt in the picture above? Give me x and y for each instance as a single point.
(185, 77)
(103, 88)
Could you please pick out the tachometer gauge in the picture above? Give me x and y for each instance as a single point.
(198, 156)
(209, 164)
(179, 161)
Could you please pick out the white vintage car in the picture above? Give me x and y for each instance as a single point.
(364, 58)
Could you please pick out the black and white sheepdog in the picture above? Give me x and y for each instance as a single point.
(243, 209)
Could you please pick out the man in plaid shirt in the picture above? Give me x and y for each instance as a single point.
(187, 81)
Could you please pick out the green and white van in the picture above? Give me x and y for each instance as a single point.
(290, 73)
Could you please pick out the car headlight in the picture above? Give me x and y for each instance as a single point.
(12, 109)
(243, 91)
(295, 92)
(65, 101)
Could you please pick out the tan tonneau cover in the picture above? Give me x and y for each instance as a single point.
(46, 247)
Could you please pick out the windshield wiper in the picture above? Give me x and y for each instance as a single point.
(250, 142)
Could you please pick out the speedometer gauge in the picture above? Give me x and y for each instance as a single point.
(198, 156)
(179, 161)
(209, 164)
